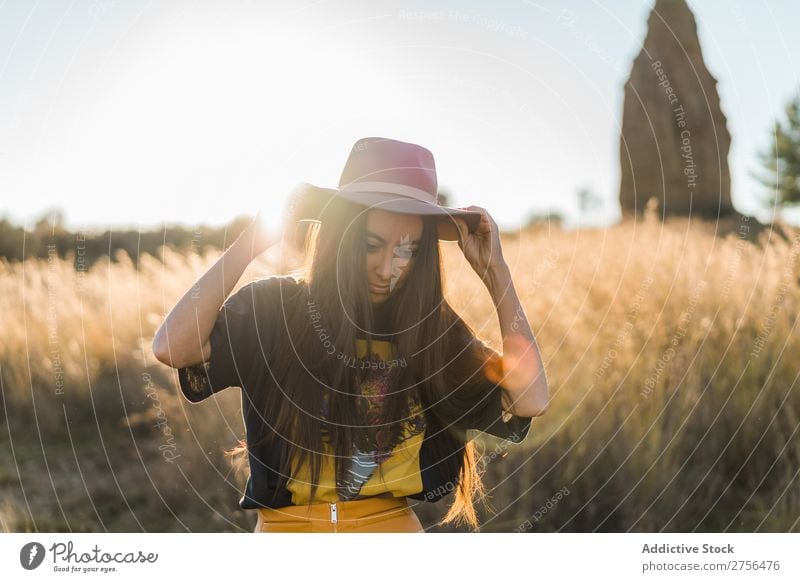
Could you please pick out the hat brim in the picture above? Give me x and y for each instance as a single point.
(446, 227)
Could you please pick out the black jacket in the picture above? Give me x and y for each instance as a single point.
(240, 345)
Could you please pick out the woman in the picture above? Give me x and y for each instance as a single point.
(359, 382)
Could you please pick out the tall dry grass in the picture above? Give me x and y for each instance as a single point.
(98, 438)
(671, 353)
(672, 356)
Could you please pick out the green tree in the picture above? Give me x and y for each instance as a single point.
(782, 159)
(588, 201)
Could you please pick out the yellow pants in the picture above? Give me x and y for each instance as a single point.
(370, 515)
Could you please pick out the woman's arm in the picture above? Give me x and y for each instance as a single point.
(522, 375)
(182, 338)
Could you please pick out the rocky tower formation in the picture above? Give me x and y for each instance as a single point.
(675, 141)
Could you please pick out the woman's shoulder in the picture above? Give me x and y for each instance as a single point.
(287, 282)
(276, 288)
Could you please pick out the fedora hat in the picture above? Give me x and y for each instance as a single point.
(388, 174)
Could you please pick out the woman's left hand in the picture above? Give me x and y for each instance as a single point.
(482, 247)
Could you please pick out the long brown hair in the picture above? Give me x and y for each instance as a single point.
(442, 360)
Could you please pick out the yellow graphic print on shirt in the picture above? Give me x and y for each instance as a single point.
(399, 467)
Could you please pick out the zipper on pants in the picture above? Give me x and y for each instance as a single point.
(334, 516)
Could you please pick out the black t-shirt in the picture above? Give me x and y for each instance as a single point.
(425, 466)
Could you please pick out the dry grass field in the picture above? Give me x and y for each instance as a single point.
(672, 356)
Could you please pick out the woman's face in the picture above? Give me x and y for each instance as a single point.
(392, 243)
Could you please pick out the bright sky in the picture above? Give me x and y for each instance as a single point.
(131, 113)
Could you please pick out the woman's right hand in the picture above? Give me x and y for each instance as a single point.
(255, 239)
